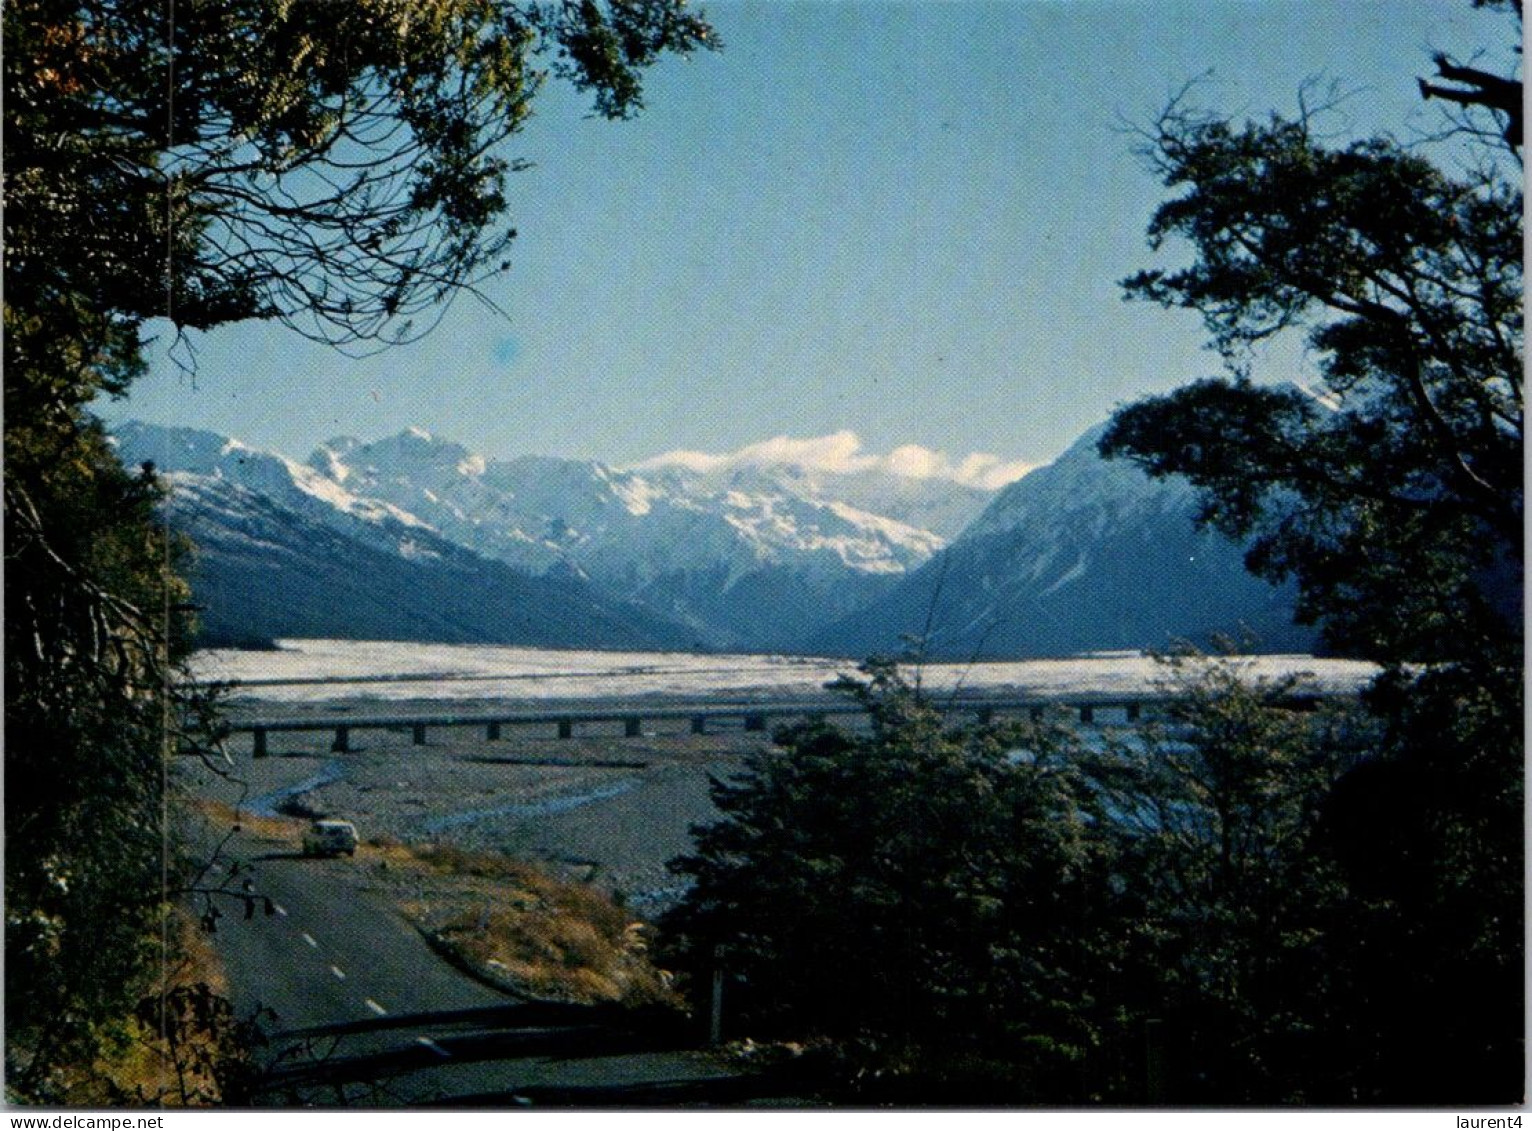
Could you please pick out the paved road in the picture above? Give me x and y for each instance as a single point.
(363, 1012)
(332, 953)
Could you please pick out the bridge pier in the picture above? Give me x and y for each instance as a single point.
(704, 718)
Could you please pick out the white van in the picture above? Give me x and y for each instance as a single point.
(330, 838)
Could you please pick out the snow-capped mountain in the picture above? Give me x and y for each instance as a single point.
(701, 551)
(757, 561)
(1084, 554)
(189, 455)
(620, 526)
(283, 551)
(263, 571)
(913, 485)
(940, 507)
(746, 562)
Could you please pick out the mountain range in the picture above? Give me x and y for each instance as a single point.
(415, 537)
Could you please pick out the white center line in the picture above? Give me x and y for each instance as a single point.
(433, 1046)
(338, 972)
(308, 938)
(282, 911)
(375, 1007)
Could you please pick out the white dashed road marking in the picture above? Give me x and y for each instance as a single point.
(338, 972)
(308, 938)
(282, 911)
(433, 1046)
(375, 1007)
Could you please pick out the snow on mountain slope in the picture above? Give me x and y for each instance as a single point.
(621, 527)
(756, 560)
(912, 485)
(186, 453)
(1082, 555)
(261, 569)
(746, 562)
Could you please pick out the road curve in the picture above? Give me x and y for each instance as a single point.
(362, 1012)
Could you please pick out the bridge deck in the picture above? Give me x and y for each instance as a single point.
(754, 715)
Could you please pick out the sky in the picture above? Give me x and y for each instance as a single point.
(903, 221)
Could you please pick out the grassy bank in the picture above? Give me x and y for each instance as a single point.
(519, 928)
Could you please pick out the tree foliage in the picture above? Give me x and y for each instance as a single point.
(1393, 495)
(338, 166)
(912, 893)
(1429, 834)
(1228, 889)
(1016, 915)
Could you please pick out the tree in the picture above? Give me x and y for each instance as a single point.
(1014, 914)
(915, 896)
(1476, 89)
(85, 734)
(339, 167)
(1392, 493)
(1427, 957)
(1225, 884)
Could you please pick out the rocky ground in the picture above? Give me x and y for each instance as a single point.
(598, 807)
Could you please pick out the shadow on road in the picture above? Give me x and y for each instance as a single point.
(517, 1015)
(559, 1055)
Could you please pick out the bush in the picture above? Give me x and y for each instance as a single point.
(918, 895)
(1196, 911)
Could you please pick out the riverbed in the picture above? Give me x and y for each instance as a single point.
(600, 806)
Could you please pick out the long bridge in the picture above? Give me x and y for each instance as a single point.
(753, 716)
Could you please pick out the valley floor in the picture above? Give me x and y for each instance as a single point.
(599, 807)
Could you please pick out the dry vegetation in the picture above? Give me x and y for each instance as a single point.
(518, 927)
(182, 1057)
(272, 830)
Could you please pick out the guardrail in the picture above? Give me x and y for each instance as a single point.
(753, 716)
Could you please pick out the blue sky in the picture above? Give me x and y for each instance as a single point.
(903, 220)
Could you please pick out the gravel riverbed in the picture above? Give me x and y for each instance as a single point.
(600, 806)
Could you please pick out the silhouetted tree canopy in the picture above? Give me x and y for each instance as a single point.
(336, 165)
(913, 895)
(1389, 483)
(1392, 491)
(1023, 914)
(339, 166)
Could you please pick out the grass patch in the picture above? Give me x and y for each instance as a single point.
(541, 937)
(226, 816)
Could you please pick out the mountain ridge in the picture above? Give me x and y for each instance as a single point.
(1078, 555)
(1081, 555)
